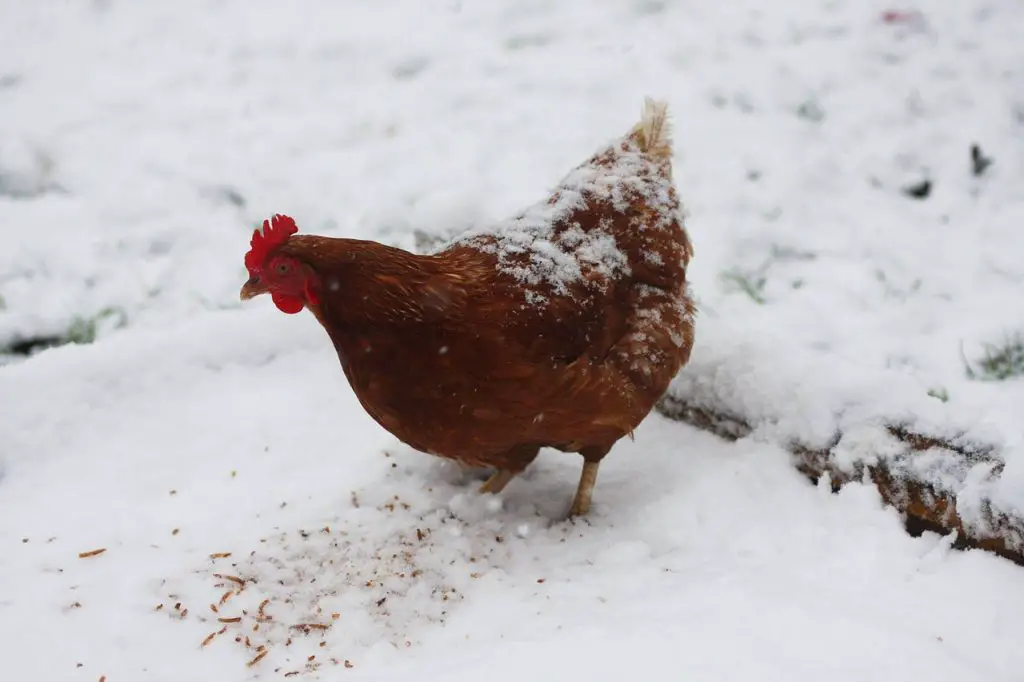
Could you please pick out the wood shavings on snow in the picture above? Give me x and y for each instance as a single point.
(311, 599)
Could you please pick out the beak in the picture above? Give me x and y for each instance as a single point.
(254, 287)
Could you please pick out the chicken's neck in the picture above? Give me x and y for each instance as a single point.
(365, 284)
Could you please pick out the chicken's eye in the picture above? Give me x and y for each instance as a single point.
(283, 268)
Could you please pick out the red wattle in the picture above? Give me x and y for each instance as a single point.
(288, 304)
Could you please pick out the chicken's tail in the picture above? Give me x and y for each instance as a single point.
(654, 133)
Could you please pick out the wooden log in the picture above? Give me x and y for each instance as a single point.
(926, 505)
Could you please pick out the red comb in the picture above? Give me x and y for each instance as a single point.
(274, 233)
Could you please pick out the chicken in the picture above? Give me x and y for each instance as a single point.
(560, 327)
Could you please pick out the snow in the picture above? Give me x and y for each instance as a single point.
(143, 142)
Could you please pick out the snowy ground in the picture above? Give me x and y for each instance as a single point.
(140, 143)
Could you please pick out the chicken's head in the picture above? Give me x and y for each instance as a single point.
(288, 280)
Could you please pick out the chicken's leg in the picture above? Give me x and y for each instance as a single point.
(508, 465)
(497, 482)
(581, 503)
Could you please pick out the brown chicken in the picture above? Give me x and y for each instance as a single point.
(560, 327)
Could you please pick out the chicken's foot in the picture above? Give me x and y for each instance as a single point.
(581, 503)
(497, 482)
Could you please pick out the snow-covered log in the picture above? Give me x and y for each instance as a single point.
(940, 484)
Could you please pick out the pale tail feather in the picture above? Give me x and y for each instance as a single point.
(653, 132)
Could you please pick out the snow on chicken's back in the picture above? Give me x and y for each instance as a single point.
(616, 215)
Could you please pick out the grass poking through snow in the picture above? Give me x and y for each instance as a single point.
(1001, 361)
(81, 330)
